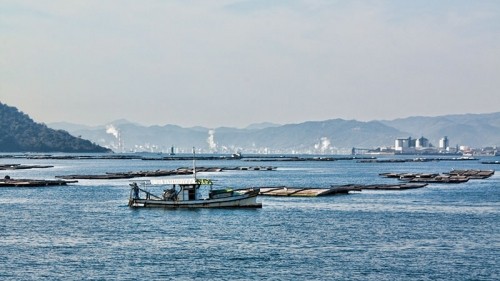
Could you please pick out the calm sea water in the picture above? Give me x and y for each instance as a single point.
(85, 231)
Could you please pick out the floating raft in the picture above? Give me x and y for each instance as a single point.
(333, 190)
(258, 168)
(185, 157)
(32, 183)
(304, 191)
(188, 158)
(82, 157)
(298, 159)
(473, 174)
(129, 175)
(383, 186)
(454, 176)
(163, 173)
(417, 160)
(490, 162)
(440, 179)
(407, 175)
(23, 167)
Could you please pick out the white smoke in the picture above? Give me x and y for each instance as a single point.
(324, 145)
(111, 129)
(212, 145)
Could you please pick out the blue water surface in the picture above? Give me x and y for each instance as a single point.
(86, 231)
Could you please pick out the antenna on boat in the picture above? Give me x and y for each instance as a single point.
(194, 163)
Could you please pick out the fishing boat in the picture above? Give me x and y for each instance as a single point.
(185, 193)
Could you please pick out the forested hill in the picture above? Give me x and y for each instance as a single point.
(19, 133)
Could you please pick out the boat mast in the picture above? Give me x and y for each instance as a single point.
(194, 163)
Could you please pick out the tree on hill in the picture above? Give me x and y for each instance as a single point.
(19, 133)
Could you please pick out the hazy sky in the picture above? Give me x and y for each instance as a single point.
(237, 62)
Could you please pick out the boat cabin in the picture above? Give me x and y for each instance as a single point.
(186, 189)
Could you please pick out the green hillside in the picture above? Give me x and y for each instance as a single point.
(19, 133)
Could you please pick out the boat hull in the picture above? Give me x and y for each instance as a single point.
(248, 200)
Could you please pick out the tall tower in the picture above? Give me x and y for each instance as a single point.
(422, 142)
(444, 143)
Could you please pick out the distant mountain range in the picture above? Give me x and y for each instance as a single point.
(19, 133)
(330, 136)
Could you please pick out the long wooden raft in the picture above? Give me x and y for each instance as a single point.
(303, 191)
(32, 183)
(333, 190)
(454, 176)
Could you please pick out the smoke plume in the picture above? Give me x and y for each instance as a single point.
(110, 129)
(212, 145)
(324, 145)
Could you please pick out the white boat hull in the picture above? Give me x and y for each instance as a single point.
(247, 200)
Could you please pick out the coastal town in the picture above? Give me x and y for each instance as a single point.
(422, 146)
